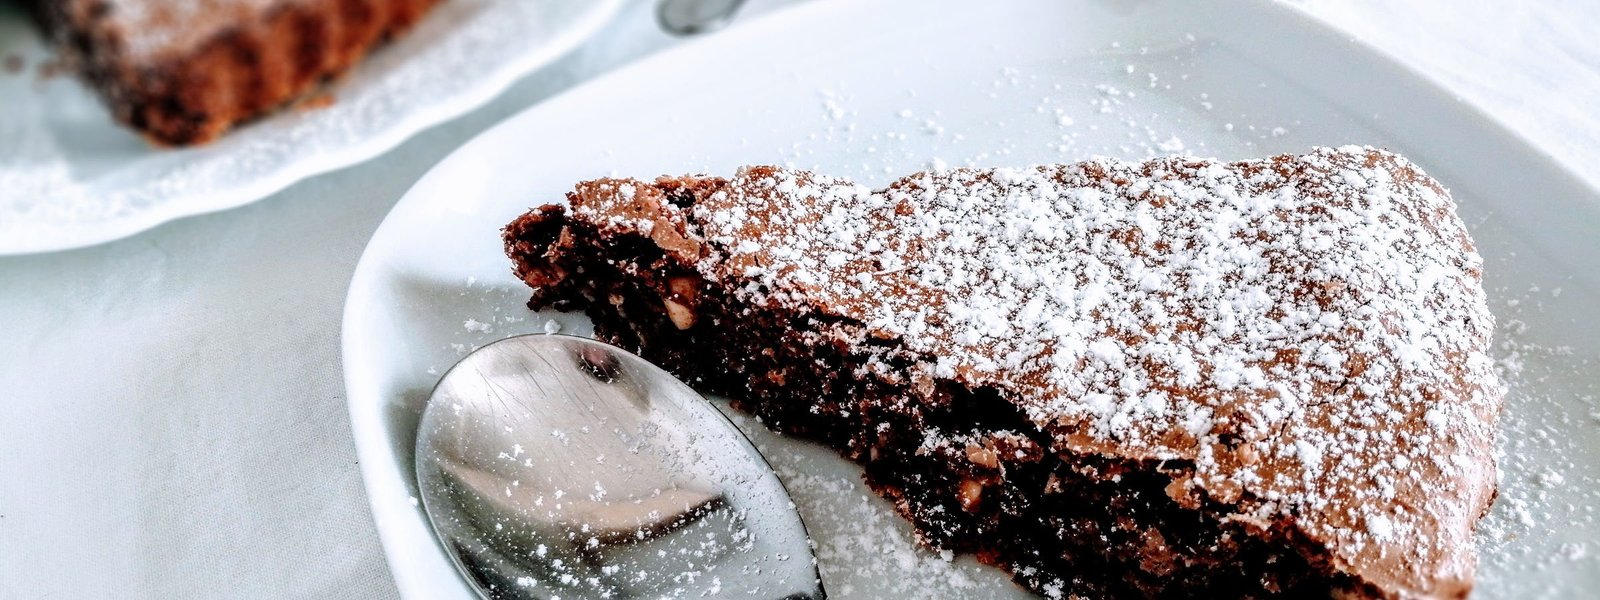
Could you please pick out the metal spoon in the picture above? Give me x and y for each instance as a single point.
(689, 17)
(555, 466)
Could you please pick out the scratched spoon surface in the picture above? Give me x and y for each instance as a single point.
(556, 466)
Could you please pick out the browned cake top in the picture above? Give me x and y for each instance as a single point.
(149, 29)
(1301, 340)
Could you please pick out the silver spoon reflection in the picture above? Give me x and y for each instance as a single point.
(555, 466)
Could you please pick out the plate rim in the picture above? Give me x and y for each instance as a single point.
(491, 86)
(367, 268)
(1437, 84)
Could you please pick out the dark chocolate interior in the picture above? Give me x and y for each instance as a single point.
(1062, 525)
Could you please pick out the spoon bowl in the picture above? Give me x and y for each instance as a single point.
(556, 466)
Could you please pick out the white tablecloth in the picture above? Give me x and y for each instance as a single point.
(172, 420)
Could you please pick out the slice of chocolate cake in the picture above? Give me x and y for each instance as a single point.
(186, 71)
(1173, 378)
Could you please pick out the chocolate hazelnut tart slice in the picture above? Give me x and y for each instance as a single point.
(1177, 377)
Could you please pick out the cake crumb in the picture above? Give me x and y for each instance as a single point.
(316, 101)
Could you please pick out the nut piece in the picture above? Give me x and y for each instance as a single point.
(982, 456)
(686, 289)
(682, 293)
(1181, 490)
(970, 494)
(682, 316)
(1247, 454)
(1053, 485)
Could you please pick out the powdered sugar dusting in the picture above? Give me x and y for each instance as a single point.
(1549, 494)
(863, 549)
(1304, 337)
(154, 27)
(874, 544)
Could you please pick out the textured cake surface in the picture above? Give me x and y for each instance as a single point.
(186, 71)
(1295, 345)
(156, 28)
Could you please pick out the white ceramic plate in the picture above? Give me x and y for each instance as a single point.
(71, 177)
(874, 89)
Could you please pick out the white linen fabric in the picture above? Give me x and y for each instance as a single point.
(172, 419)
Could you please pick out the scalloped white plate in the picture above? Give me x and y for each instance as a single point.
(855, 87)
(71, 177)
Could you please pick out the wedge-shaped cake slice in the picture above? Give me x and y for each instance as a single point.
(1178, 377)
(186, 71)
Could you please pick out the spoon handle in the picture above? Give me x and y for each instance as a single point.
(690, 17)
